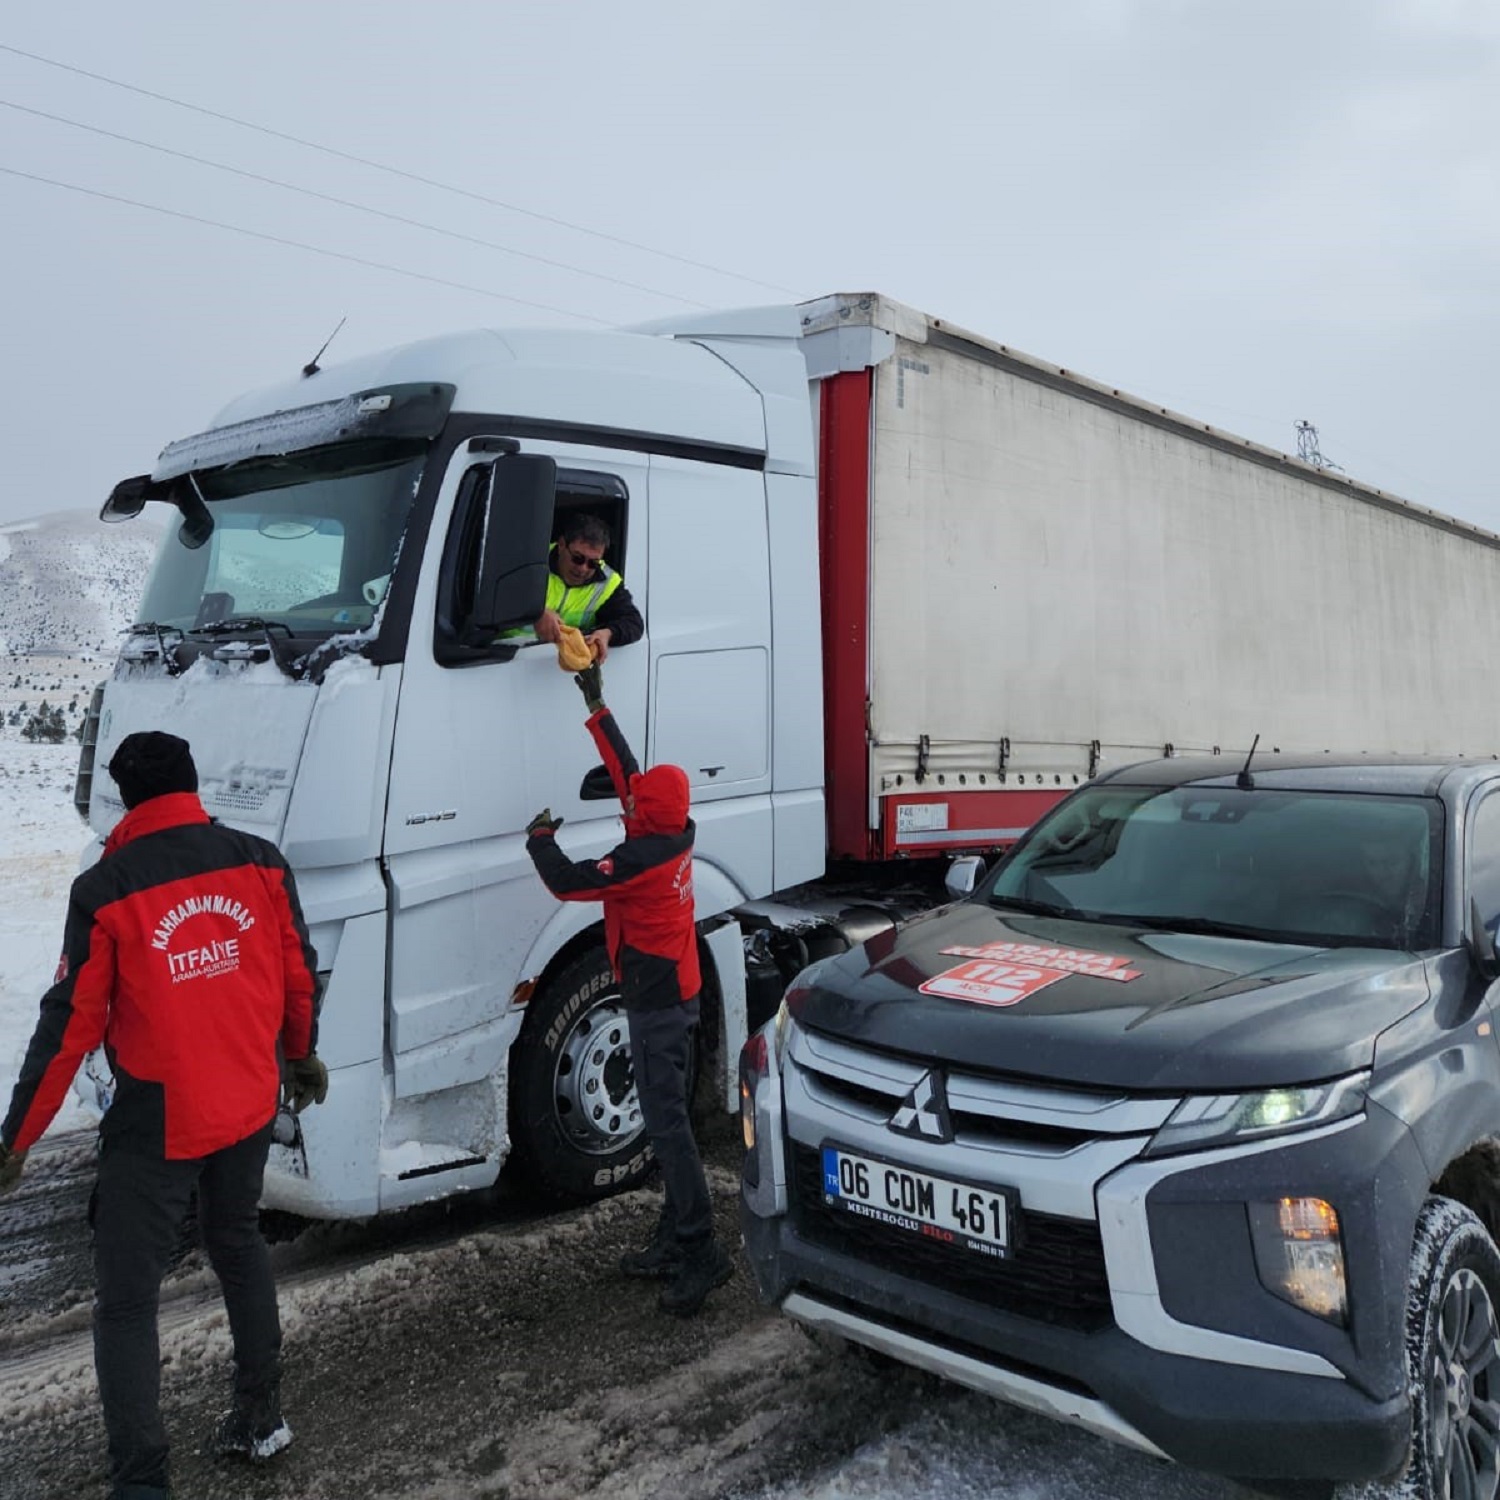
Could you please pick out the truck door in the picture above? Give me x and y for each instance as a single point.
(711, 661)
(480, 746)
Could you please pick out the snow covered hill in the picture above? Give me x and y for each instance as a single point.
(69, 583)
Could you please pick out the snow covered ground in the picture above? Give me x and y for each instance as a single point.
(41, 838)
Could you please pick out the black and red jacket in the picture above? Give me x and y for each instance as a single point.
(186, 955)
(645, 883)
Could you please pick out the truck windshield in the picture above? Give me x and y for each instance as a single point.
(1324, 868)
(303, 541)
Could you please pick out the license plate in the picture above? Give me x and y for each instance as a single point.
(939, 1209)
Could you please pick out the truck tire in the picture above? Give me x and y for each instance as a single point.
(576, 1128)
(1453, 1358)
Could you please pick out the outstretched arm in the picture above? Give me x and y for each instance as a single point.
(617, 754)
(618, 757)
(584, 879)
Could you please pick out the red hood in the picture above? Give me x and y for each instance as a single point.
(661, 801)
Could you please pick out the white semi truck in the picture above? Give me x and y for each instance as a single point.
(903, 587)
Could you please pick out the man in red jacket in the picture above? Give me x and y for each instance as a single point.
(186, 955)
(646, 886)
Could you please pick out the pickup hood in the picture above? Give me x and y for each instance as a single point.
(1111, 1006)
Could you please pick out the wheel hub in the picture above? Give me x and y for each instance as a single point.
(595, 1094)
(1460, 1392)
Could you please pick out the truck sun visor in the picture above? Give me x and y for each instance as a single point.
(396, 411)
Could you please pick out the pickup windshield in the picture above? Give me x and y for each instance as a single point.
(1324, 868)
(303, 542)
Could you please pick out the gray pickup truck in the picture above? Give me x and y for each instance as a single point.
(1183, 1125)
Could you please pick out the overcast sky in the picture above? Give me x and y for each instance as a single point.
(1253, 211)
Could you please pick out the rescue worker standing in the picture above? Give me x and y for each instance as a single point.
(585, 592)
(186, 955)
(646, 886)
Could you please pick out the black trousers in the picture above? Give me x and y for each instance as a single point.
(660, 1046)
(138, 1207)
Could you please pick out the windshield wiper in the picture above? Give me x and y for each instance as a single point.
(164, 639)
(1042, 908)
(1207, 926)
(249, 625)
(150, 627)
(240, 625)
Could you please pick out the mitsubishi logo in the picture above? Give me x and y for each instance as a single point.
(924, 1111)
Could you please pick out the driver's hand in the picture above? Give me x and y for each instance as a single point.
(549, 627)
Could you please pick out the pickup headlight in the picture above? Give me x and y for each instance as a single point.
(1227, 1119)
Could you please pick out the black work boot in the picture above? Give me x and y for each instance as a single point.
(661, 1257)
(253, 1428)
(703, 1267)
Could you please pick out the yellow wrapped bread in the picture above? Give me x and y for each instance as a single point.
(573, 652)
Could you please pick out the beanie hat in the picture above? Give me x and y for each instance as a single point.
(151, 764)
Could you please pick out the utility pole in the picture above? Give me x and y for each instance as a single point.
(1308, 450)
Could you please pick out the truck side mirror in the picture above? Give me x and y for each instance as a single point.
(596, 786)
(515, 527)
(197, 523)
(127, 499)
(963, 875)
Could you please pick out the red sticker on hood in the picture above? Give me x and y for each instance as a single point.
(987, 982)
(1006, 973)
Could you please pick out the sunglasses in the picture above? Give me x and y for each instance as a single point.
(580, 561)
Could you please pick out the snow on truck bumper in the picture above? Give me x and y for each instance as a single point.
(1128, 1300)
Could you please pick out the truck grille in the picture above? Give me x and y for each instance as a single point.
(1056, 1274)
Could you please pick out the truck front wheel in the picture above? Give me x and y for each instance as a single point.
(1453, 1355)
(576, 1126)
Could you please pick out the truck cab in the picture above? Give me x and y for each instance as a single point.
(338, 622)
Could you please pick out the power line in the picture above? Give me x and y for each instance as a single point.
(378, 213)
(276, 239)
(379, 166)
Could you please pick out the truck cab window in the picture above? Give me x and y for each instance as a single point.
(580, 493)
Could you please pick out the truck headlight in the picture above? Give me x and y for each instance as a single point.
(1226, 1119)
(1299, 1255)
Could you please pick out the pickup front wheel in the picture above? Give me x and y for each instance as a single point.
(1453, 1355)
(575, 1120)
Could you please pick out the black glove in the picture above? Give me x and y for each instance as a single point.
(11, 1163)
(543, 823)
(591, 684)
(306, 1081)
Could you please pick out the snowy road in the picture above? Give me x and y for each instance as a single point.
(478, 1349)
(488, 1350)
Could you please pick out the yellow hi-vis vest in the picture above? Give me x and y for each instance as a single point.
(579, 606)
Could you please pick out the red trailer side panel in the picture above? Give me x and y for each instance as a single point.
(844, 544)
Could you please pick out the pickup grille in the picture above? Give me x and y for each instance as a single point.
(1056, 1274)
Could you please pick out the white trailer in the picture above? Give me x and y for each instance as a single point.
(903, 589)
